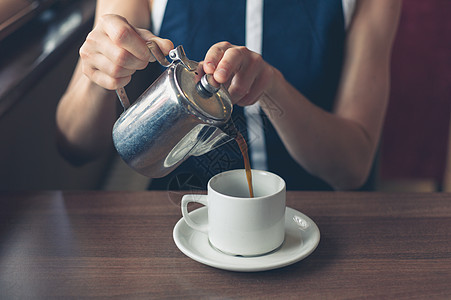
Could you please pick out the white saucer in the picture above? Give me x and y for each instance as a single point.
(301, 238)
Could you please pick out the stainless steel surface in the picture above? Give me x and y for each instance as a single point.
(123, 98)
(158, 54)
(178, 54)
(170, 121)
(205, 81)
(216, 107)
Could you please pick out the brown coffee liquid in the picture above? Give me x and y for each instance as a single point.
(243, 147)
(230, 129)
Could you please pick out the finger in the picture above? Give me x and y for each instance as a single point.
(232, 62)
(107, 82)
(165, 45)
(243, 80)
(99, 42)
(120, 56)
(100, 77)
(214, 56)
(199, 72)
(256, 91)
(123, 35)
(111, 69)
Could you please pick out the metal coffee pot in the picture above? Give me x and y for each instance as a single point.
(178, 116)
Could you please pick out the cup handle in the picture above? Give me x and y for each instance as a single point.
(202, 199)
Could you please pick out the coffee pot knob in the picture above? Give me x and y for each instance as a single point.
(207, 86)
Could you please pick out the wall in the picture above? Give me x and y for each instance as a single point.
(414, 145)
(29, 159)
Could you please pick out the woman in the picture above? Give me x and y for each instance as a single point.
(319, 70)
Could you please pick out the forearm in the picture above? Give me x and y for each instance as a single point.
(339, 146)
(112, 52)
(85, 116)
(333, 148)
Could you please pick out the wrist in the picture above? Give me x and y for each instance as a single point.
(270, 92)
(276, 79)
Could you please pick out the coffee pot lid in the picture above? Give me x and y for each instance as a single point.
(213, 103)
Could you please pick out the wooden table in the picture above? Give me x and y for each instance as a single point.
(119, 245)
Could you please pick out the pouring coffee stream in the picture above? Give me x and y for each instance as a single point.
(176, 117)
(206, 87)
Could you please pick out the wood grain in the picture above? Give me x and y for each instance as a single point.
(119, 245)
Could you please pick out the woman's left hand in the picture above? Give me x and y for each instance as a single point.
(243, 72)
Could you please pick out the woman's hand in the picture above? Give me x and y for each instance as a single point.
(245, 74)
(115, 49)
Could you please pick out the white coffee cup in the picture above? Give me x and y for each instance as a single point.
(238, 224)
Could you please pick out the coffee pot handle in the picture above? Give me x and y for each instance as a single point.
(159, 56)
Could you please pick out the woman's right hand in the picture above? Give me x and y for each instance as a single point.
(115, 49)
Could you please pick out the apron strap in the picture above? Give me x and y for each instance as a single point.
(255, 132)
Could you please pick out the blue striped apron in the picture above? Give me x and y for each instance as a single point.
(304, 39)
